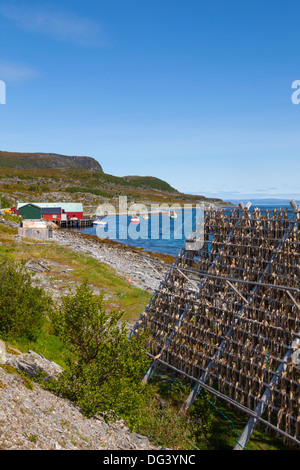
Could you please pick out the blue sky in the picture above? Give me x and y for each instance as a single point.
(194, 92)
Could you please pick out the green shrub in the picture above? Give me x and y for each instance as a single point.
(34, 187)
(104, 375)
(23, 308)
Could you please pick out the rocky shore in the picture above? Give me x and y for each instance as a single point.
(138, 267)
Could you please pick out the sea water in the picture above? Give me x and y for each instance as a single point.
(160, 233)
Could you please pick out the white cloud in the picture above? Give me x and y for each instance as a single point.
(16, 73)
(62, 25)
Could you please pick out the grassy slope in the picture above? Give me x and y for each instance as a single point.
(79, 266)
(71, 268)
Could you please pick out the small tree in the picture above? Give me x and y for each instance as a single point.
(105, 368)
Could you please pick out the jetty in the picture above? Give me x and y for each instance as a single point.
(75, 223)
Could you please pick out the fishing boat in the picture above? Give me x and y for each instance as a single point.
(99, 222)
(172, 215)
(135, 219)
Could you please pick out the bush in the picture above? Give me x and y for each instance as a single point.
(105, 369)
(23, 308)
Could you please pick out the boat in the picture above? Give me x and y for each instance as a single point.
(172, 215)
(135, 219)
(146, 217)
(99, 222)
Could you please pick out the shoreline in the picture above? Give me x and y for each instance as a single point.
(132, 263)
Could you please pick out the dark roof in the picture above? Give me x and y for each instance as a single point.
(30, 205)
(51, 210)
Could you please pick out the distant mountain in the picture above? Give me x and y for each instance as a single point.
(267, 201)
(47, 160)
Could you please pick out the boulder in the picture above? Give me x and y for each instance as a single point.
(34, 364)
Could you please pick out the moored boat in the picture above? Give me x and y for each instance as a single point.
(99, 222)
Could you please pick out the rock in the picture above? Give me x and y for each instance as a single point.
(139, 440)
(9, 223)
(33, 364)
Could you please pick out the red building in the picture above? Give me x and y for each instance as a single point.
(51, 213)
(57, 210)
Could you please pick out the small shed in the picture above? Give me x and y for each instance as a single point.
(36, 229)
(30, 211)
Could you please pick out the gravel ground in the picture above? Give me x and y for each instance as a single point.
(35, 419)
